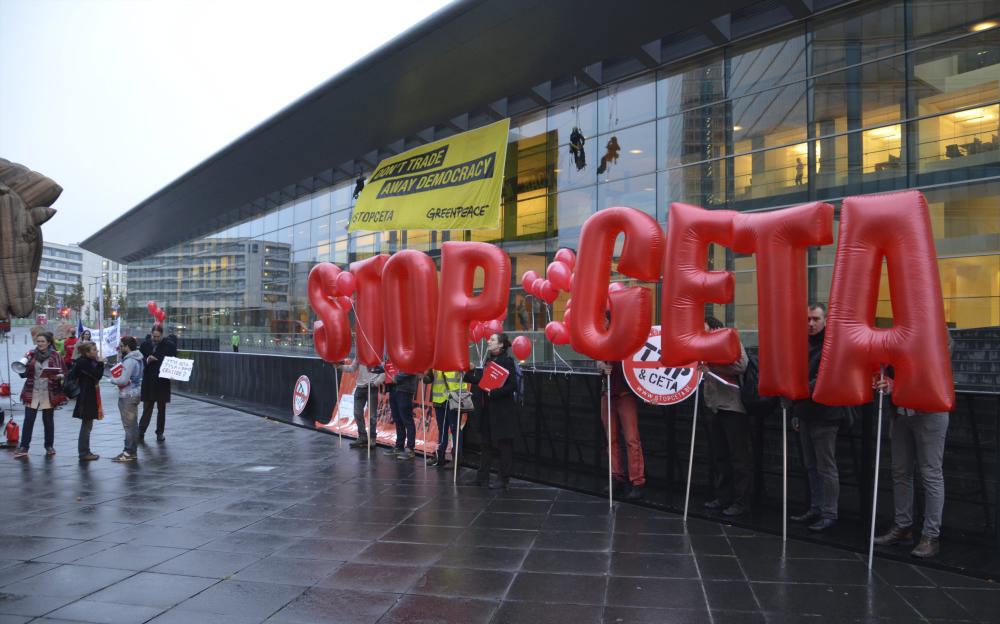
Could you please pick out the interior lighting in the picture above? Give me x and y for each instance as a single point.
(981, 26)
(973, 114)
(635, 151)
(737, 128)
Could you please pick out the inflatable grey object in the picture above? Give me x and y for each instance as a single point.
(26, 198)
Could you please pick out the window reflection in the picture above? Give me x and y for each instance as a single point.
(627, 153)
(626, 104)
(703, 83)
(638, 193)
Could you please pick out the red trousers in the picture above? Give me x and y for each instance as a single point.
(625, 422)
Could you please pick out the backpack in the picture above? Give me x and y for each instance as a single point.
(754, 403)
(519, 385)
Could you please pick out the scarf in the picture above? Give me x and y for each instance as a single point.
(42, 356)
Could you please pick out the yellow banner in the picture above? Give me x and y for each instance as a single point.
(451, 184)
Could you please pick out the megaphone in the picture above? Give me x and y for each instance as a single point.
(21, 366)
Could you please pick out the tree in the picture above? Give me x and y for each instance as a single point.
(107, 295)
(74, 300)
(121, 303)
(50, 298)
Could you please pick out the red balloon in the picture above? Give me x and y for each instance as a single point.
(566, 317)
(492, 327)
(472, 333)
(527, 279)
(332, 332)
(615, 287)
(547, 292)
(477, 331)
(343, 301)
(368, 309)
(559, 275)
(458, 306)
(557, 333)
(346, 284)
(567, 257)
(521, 347)
(780, 240)
(161, 315)
(895, 227)
(151, 306)
(632, 307)
(409, 309)
(688, 286)
(569, 303)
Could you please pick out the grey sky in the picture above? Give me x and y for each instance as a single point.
(114, 99)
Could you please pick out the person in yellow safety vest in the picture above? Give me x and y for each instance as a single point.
(445, 386)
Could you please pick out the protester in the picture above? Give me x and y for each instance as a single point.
(368, 381)
(496, 413)
(84, 336)
(624, 423)
(87, 372)
(916, 438)
(235, 341)
(42, 391)
(69, 345)
(128, 378)
(155, 390)
(818, 426)
(729, 432)
(447, 391)
(401, 406)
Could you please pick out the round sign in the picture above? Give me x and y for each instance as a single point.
(300, 395)
(653, 382)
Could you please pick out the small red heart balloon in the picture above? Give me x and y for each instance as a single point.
(345, 283)
(559, 275)
(547, 292)
(567, 257)
(492, 327)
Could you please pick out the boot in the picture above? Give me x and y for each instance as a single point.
(809, 516)
(928, 547)
(895, 535)
(359, 443)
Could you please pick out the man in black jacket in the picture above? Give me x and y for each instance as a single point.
(155, 390)
(818, 425)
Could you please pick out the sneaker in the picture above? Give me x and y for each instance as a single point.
(928, 547)
(634, 493)
(160, 437)
(89, 457)
(392, 451)
(49, 451)
(734, 510)
(809, 516)
(714, 504)
(123, 457)
(895, 535)
(359, 443)
(434, 461)
(406, 455)
(20, 453)
(823, 524)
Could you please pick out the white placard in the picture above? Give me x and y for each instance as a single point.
(176, 368)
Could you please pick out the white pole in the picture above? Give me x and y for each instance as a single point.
(694, 429)
(458, 434)
(336, 385)
(784, 474)
(878, 453)
(532, 331)
(423, 420)
(367, 416)
(610, 478)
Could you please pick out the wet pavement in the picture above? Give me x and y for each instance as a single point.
(236, 519)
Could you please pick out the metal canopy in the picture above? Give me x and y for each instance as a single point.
(474, 55)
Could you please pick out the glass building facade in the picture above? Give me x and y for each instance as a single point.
(876, 97)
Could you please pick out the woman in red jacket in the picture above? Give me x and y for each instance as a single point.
(42, 391)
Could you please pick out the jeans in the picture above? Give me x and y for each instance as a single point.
(918, 439)
(819, 456)
(360, 400)
(128, 407)
(147, 414)
(29, 425)
(447, 420)
(83, 442)
(625, 422)
(401, 404)
(731, 448)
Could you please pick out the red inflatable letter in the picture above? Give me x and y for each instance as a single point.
(332, 332)
(779, 239)
(409, 307)
(368, 309)
(458, 307)
(631, 308)
(688, 286)
(894, 226)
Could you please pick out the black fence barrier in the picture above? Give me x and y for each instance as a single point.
(560, 441)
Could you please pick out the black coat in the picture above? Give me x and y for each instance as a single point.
(807, 409)
(154, 388)
(87, 373)
(496, 411)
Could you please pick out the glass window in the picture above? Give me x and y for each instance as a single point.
(257, 227)
(572, 209)
(342, 196)
(320, 204)
(703, 83)
(580, 112)
(627, 153)
(270, 222)
(532, 214)
(770, 118)
(763, 65)
(285, 236)
(703, 185)
(965, 219)
(696, 135)
(243, 231)
(302, 210)
(864, 96)
(868, 31)
(527, 126)
(961, 139)
(970, 289)
(285, 216)
(957, 74)
(572, 172)
(626, 104)
(771, 173)
(638, 193)
(934, 20)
